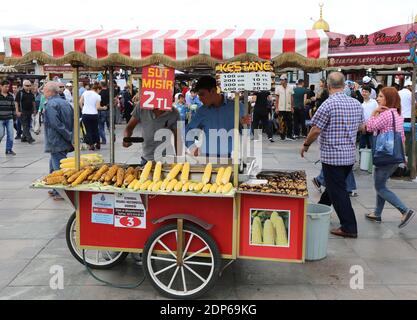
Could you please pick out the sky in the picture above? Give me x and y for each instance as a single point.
(347, 17)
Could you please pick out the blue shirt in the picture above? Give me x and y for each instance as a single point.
(182, 109)
(217, 118)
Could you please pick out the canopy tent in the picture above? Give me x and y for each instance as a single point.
(173, 48)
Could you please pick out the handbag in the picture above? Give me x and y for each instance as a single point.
(388, 147)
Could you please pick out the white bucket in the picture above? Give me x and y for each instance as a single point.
(366, 159)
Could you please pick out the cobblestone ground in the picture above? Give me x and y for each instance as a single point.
(32, 240)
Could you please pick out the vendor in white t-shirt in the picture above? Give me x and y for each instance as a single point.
(369, 105)
(406, 95)
(90, 104)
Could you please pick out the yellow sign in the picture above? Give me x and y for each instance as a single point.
(243, 67)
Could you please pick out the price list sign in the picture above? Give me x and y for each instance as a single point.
(245, 76)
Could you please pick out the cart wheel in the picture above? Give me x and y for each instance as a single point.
(96, 259)
(199, 270)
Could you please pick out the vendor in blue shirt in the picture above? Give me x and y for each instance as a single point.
(182, 108)
(216, 113)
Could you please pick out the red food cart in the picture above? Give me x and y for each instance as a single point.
(183, 237)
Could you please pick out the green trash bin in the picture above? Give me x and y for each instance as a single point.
(318, 225)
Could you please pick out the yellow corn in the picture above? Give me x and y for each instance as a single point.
(207, 174)
(206, 188)
(178, 187)
(157, 186)
(150, 187)
(146, 171)
(213, 188)
(257, 231)
(128, 180)
(219, 189)
(164, 185)
(157, 172)
(137, 186)
(227, 188)
(199, 187)
(145, 185)
(227, 175)
(192, 186)
(281, 233)
(186, 186)
(268, 235)
(219, 177)
(132, 184)
(185, 172)
(174, 172)
(171, 185)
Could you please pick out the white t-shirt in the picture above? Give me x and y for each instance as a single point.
(405, 96)
(369, 107)
(68, 97)
(90, 102)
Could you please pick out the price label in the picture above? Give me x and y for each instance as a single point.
(129, 212)
(253, 81)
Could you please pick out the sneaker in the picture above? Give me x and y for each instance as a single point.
(407, 218)
(317, 184)
(271, 140)
(18, 137)
(23, 140)
(290, 139)
(10, 153)
(32, 141)
(353, 194)
(373, 217)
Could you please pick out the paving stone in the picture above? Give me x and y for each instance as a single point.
(20, 249)
(383, 249)
(276, 292)
(394, 271)
(370, 292)
(405, 292)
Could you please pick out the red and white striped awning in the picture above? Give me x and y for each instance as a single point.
(133, 47)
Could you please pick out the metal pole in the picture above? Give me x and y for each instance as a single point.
(111, 106)
(75, 77)
(413, 125)
(236, 141)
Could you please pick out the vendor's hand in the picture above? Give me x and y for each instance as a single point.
(127, 144)
(304, 150)
(247, 120)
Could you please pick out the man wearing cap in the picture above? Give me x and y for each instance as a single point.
(285, 106)
(367, 81)
(68, 93)
(406, 95)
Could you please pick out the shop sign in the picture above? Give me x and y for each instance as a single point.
(157, 88)
(392, 59)
(245, 76)
(129, 212)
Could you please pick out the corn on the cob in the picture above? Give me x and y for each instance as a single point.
(157, 172)
(186, 186)
(227, 175)
(257, 231)
(128, 179)
(103, 178)
(207, 174)
(219, 176)
(145, 185)
(100, 172)
(132, 184)
(137, 186)
(268, 235)
(227, 188)
(185, 172)
(199, 187)
(164, 185)
(59, 173)
(55, 180)
(146, 172)
(178, 186)
(219, 189)
(150, 187)
(137, 172)
(75, 176)
(90, 177)
(129, 171)
(82, 177)
(71, 165)
(171, 185)
(114, 178)
(157, 186)
(111, 173)
(119, 177)
(281, 233)
(192, 186)
(69, 172)
(174, 172)
(213, 188)
(206, 188)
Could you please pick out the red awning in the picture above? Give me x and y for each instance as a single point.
(136, 48)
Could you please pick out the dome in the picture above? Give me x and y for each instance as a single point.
(321, 24)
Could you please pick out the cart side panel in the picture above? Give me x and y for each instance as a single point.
(216, 211)
(293, 212)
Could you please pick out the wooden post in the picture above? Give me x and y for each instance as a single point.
(236, 143)
(413, 125)
(76, 132)
(111, 107)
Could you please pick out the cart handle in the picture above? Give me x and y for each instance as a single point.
(133, 140)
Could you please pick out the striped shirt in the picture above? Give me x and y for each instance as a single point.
(383, 123)
(339, 119)
(7, 107)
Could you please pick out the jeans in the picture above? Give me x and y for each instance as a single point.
(55, 163)
(6, 127)
(265, 124)
(299, 122)
(365, 141)
(103, 122)
(336, 195)
(26, 120)
(350, 181)
(382, 174)
(91, 126)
